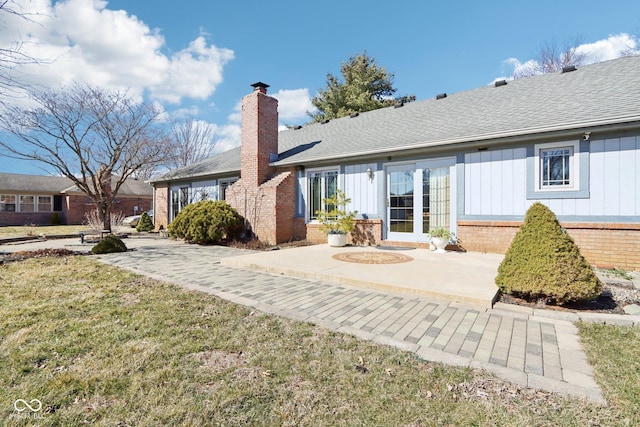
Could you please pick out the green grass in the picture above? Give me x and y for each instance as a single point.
(101, 346)
(614, 352)
(28, 230)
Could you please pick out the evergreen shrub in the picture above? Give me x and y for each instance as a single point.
(110, 244)
(207, 222)
(55, 219)
(543, 262)
(145, 223)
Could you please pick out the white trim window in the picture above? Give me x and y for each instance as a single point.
(27, 203)
(45, 204)
(556, 166)
(322, 184)
(8, 203)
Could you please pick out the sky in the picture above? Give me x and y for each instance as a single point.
(197, 59)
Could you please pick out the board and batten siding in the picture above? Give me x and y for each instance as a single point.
(361, 190)
(495, 182)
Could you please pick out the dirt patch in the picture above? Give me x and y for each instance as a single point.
(40, 253)
(217, 360)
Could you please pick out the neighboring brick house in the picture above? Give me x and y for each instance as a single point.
(473, 161)
(33, 199)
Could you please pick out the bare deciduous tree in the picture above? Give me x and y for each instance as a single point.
(95, 137)
(190, 141)
(551, 58)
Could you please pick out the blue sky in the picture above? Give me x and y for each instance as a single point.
(198, 58)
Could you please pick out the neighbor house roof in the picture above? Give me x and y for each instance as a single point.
(19, 183)
(32, 183)
(606, 93)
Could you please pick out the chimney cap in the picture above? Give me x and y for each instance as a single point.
(260, 85)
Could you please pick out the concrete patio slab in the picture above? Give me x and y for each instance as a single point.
(462, 277)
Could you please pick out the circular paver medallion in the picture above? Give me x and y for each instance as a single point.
(373, 257)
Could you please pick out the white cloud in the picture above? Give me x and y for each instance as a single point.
(612, 47)
(293, 104)
(227, 137)
(82, 40)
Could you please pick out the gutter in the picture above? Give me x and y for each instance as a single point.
(529, 134)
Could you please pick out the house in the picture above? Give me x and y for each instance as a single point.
(33, 199)
(473, 161)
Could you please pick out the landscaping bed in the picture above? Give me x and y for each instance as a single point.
(617, 293)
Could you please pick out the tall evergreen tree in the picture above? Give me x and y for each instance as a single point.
(366, 87)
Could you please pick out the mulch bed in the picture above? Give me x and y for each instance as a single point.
(614, 297)
(40, 253)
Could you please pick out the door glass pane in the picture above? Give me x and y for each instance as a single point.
(435, 198)
(401, 202)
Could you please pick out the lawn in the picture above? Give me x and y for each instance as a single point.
(97, 345)
(33, 230)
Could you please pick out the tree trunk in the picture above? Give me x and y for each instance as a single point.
(105, 214)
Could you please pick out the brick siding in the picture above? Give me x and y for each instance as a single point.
(75, 207)
(604, 245)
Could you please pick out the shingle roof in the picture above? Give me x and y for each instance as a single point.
(606, 93)
(219, 164)
(55, 184)
(603, 93)
(30, 183)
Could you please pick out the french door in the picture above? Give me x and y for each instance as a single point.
(419, 199)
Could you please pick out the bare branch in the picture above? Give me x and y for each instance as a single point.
(190, 141)
(96, 138)
(12, 57)
(550, 58)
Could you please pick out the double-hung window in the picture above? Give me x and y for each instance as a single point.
(322, 184)
(27, 204)
(45, 204)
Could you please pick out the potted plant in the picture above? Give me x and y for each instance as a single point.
(440, 237)
(336, 221)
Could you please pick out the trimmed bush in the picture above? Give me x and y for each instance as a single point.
(145, 223)
(110, 244)
(207, 222)
(543, 262)
(55, 219)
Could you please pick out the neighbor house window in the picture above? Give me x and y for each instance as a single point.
(7, 203)
(556, 167)
(27, 203)
(322, 184)
(44, 204)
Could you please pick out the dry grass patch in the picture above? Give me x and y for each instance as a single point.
(101, 346)
(36, 230)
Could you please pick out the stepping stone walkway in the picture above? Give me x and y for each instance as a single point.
(542, 353)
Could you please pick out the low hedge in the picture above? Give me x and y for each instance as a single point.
(207, 222)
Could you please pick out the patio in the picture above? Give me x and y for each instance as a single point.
(466, 278)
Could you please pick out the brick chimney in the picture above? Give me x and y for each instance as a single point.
(259, 135)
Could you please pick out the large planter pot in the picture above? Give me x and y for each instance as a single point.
(337, 240)
(440, 243)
